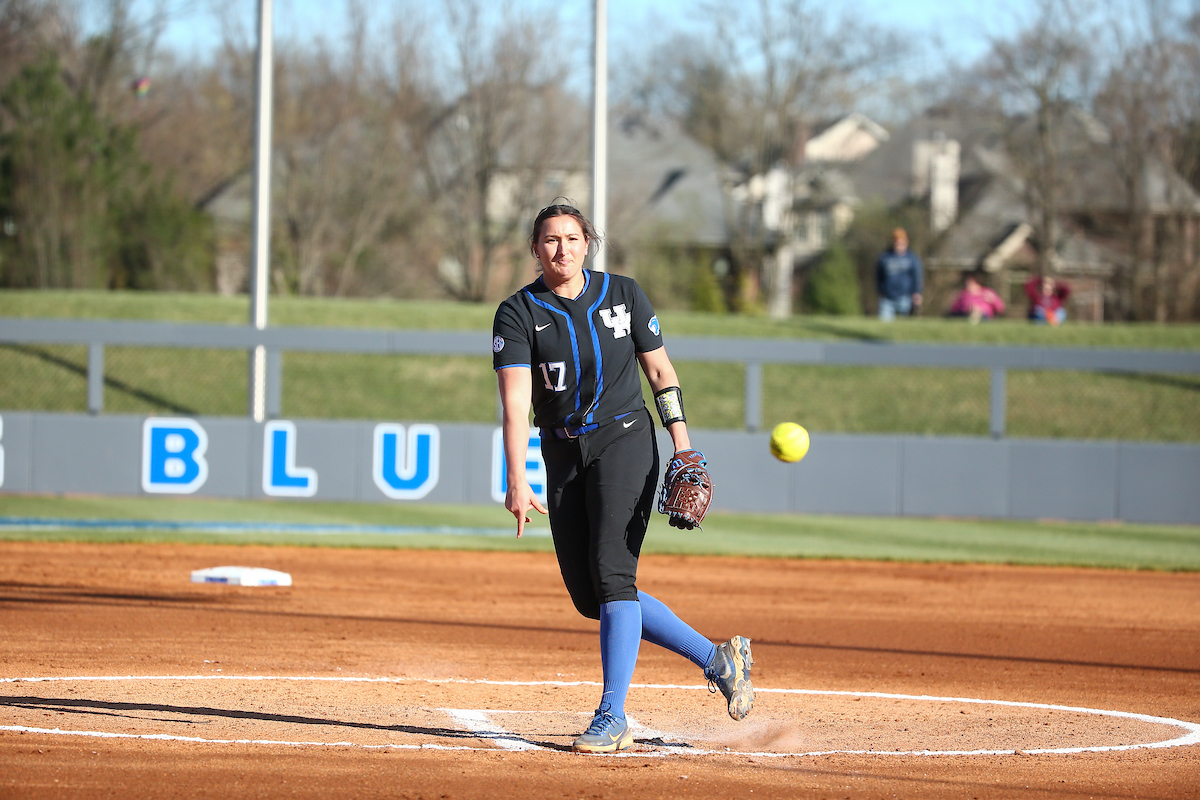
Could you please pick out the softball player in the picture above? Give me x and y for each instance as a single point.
(569, 345)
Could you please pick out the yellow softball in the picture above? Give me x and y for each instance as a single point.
(789, 442)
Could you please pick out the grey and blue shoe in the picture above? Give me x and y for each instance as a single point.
(730, 672)
(606, 734)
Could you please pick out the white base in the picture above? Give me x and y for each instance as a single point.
(242, 576)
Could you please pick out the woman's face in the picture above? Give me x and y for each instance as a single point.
(561, 249)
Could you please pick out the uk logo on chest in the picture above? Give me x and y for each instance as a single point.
(618, 319)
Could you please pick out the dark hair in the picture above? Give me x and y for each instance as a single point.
(564, 209)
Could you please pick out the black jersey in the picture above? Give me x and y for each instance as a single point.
(581, 351)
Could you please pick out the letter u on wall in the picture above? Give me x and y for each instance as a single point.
(405, 465)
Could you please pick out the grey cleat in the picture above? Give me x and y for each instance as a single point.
(606, 734)
(730, 672)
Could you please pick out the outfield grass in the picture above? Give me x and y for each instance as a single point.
(1041, 404)
(1109, 545)
(826, 399)
(445, 315)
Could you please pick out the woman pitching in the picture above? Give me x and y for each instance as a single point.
(569, 345)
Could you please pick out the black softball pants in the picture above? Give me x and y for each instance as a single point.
(601, 490)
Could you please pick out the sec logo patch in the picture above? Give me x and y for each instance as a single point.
(653, 325)
(497, 344)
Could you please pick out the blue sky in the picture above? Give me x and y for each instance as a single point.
(954, 28)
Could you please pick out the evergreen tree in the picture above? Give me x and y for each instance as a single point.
(58, 161)
(80, 206)
(833, 286)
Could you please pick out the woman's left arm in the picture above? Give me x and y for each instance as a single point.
(661, 374)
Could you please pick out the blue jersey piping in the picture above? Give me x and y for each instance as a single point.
(591, 415)
(574, 341)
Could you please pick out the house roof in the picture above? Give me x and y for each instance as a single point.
(847, 138)
(1095, 170)
(992, 201)
(663, 185)
(887, 175)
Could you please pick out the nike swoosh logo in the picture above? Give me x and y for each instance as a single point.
(627, 424)
(542, 327)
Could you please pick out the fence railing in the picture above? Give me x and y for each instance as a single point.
(751, 354)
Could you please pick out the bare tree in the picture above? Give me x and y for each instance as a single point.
(319, 133)
(753, 86)
(196, 125)
(1185, 157)
(27, 29)
(1044, 71)
(492, 146)
(1148, 101)
(342, 158)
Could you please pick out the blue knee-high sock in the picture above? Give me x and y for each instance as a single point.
(660, 626)
(620, 636)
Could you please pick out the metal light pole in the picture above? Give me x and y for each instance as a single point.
(600, 129)
(260, 257)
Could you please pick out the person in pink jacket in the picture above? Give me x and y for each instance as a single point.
(976, 301)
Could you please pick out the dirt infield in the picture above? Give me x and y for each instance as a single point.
(448, 675)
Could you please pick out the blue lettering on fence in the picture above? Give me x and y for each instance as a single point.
(405, 467)
(281, 476)
(173, 456)
(535, 467)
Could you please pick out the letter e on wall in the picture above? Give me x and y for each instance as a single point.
(535, 466)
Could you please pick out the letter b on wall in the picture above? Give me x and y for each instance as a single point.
(173, 456)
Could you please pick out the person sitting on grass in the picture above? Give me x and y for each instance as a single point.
(1047, 300)
(976, 301)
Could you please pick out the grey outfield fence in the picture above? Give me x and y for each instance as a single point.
(752, 354)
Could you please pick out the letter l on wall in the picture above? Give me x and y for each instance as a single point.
(281, 477)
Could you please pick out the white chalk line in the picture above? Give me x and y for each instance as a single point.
(478, 720)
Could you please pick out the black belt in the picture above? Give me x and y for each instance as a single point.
(570, 433)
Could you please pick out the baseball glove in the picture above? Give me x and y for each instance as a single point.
(686, 490)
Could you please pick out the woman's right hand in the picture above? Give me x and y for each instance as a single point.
(519, 499)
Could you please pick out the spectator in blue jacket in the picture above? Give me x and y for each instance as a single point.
(899, 276)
